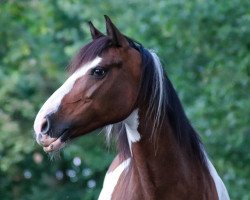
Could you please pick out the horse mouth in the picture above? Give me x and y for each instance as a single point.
(53, 144)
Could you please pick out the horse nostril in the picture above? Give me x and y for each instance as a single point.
(40, 136)
(45, 126)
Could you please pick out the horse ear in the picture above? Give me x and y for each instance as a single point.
(94, 32)
(118, 38)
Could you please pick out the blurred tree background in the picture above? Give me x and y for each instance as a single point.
(204, 45)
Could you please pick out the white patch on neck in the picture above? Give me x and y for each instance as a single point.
(220, 187)
(54, 101)
(131, 125)
(111, 180)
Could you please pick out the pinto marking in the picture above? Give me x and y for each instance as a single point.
(54, 101)
(111, 180)
(220, 187)
(131, 125)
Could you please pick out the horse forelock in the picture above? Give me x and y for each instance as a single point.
(89, 52)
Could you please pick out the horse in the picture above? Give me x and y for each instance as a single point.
(117, 84)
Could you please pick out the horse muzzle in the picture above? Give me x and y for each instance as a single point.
(50, 136)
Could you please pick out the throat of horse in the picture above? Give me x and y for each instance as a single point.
(159, 162)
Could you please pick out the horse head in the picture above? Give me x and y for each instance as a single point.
(102, 89)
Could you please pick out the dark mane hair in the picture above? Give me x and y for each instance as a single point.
(166, 105)
(156, 92)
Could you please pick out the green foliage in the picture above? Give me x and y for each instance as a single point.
(204, 45)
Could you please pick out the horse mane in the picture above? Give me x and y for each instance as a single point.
(157, 94)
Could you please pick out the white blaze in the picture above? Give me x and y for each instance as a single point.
(53, 103)
(111, 180)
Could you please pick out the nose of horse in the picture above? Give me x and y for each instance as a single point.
(45, 125)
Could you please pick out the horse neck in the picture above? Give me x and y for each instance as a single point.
(160, 162)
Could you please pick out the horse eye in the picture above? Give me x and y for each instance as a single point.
(98, 72)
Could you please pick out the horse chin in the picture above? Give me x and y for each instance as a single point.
(54, 146)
